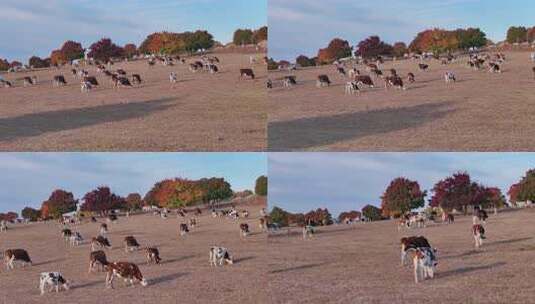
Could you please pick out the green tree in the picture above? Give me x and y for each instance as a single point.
(371, 212)
(31, 214)
(261, 186)
(243, 36)
(279, 216)
(517, 34)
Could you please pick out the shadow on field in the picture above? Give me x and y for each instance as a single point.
(469, 269)
(307, 266)
(36, 124)
(49, 262)
(88, 284)
(305, 133)
(166, 278)
(178, 259)
(236, 261)
(461, 255)
(510, 241)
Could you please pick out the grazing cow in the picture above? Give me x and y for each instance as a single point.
(423, 66)
(479, 234)
(66, 233)
(269, 84)
(289, 81)
(352, 88)
(97, 257)
(121, 72)
(103, 229)
(417, 219)
(412, 242)
(183, 229)
(308, 232)
(450, 77)
(101, 242)
(411, 78)
(394, 81)
(85, 86)
(533, 69)
(192, 222)
(5, 83)
(213, 69)
(130, 244)
(29, 81)
(425, 262)
(244, 229)
(449, 218)
(125, 270)
(341, 71)
(122, 82)
(92, 80)
(378, 73)
(53, 279)
(323, 81)
(220, 255)
(3, 226)
(153, 255)
(16, 255)
(247, 73)
(494, 68)
(59, 80)
(364, 80)
(76, 239)
(74, 72)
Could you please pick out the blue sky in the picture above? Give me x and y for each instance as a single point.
(36, 27)
(27, 179)
(301, 182)
(303, 26)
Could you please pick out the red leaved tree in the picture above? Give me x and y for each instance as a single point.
(102, 200)
(72, 50)
(336, 49)
(130, 50)
(59, 202)
(372, 47)
(401, 196)
(104, 50)
(457, 192)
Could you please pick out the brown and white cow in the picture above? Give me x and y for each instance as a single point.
(247, 73)
(219, 255)
(153, 255)
(244, 229)
(412, 242)
(97, 257)
(323, 81)
(394, 81)
(16, 255)
(128, 271)
(479, 235)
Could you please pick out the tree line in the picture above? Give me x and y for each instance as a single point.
(169, 193)
(165, 43)
(456, 192)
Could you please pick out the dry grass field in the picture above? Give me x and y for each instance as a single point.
(481, 112)
(361, 264)
(203, 112)
(184, 276)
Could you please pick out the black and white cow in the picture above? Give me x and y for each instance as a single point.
(244, 229)
(97, 257)
(411, 243)
(130, 244)
(183, 229)
(153, 255)
(323, 81)
(59, 80)
(101, 242)
(479, 235)
(220, 255)
(53, 280)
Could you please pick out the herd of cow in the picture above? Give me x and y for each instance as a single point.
(357, 80)
(119, 77)
(129, 272)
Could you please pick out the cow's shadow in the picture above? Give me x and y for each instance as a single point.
(167, 278)
(469, 269)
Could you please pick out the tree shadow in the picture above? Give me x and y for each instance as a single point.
(464, 270)
(302, 267)
(35, 124)
(306, 133)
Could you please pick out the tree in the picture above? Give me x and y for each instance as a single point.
(436, 40)
(513, 193)
(517, 34)
(272, 64)
(4, 65)
(72, 50)
(59, 202)
(371, 212)
(492, 197)
(471, 37)
(10, 216)
(104, 50)
(130, 50)
(134, 201)
(199, 40)
(336, 49)
(261, 186)
(525, 188)
(402, 196)
(102, 200)
(456, 192)
(399, 49)
(57, 58)
(279, 216)
(531, 35)
(372, 47)
(304, 61)
(15, 64)
(260, 34)
(243, 36)
(31, 214)
(318, 217)
(38, 63)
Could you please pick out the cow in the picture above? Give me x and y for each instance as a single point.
(29, 81)
(76, 239)
(533, 69)
(53, 279)
(341, 71)
(6, 84)
(393, 72)
(480, 216)
(85, 86)
(121, 72)
(97, 257)
(269, 84)
(262, 224)
(323, 81)
(103, 229)
(378, 73)
(423, 66)
(101, 242)
(394, 81)
(153, 255)
(494, 68)
(411, 78)
(308, 231)
(244, 229)
(219, 255)
(3, 226)
(183, 229)
(130, 243)
(479, 234)
(66, 233)
(173, 78)
(412, 242)
(125, 270)
(59, 80)
(192, 222)
(91, 79)
(364, 80)
(122, 82)
(289, 81)
(247, 73)
(16, 255)
(450, 77)
(213, 69)
(352, 88)
(449, 218)
(424, 262)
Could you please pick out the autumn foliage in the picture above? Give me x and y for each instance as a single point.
(440, 41)
(59, 202)
(401, 196)
(9, 216)
(524, 190)
(336, 49)
(104, 50)
(72, 50)
(130, 50)
(372, 47)
(4, 65)
(57, 58)
(102, 200)
(175, 43)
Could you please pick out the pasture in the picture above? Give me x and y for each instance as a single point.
(361, 263)
(184, 275)
(482, 111)
(201, 112)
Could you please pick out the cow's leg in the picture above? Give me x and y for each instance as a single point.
(416, 269)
